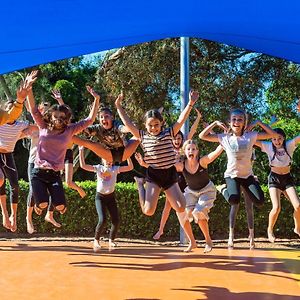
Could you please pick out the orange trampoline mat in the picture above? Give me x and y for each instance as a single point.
(70, 270)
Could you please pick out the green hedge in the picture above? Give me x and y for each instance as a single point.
(81, 217)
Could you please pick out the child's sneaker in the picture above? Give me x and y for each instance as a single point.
(96, 246)
(221, 188)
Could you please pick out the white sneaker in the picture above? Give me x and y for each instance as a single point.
(96, 246)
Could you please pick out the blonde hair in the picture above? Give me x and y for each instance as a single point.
(189, 142)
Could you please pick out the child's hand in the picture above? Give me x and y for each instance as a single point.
(30, 79)
(119, 99)
(138, 156)
(22, 93)
(81, 148)
(193, 97)
(222, 126)
(56, 95)
(92, 92)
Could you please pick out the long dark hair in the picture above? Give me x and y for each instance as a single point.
(282, 133)
(56, 107)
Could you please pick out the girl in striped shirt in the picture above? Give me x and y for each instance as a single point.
(159, 154)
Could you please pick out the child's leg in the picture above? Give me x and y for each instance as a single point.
(130, 148)
(5, 218)
(49, 217)
(11, 173)
(232, 193)
(95, 147)
(176, 198)
(40, 191)
(253, 190)
(273, 215)
(293, 197)
(101, 216)
(148, 196)
(164, 217)
(115, 220)
(203, 224)
(232, 218)
(186, 225)
(250, 219)
(69, 180)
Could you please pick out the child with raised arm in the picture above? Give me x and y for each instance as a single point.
(177, 143)
(111, 144)
(55, 134)
(238, 145)
(69, 170)
(200, 192)
(159, 154)
(32, 133)
(105, 197)
(280, 181)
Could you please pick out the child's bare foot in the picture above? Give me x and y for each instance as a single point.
(13, 223)
(208, 247)
(190, 247)
(96, 246)
(271, 237)
(37, 210)
(297, 231)
(30, 228)
(6, 222)
(157, 235)
(49, 218)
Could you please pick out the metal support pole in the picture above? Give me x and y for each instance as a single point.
(184, 92)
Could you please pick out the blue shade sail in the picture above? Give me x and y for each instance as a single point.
(36, 32)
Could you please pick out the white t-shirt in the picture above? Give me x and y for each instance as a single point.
(106, 178)
(281, 158)
(239, 153)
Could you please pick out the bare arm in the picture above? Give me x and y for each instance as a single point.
(127, 168)
(209, 158)
(28, 132)
(125, 118)
(269, 132)
(207, 135)
(82, 163)
(195, 125)
(193, 97)
(258, 144)
(179, 166)
(93, 112)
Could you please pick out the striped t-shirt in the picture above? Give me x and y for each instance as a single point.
(10, 134)
(158, 149)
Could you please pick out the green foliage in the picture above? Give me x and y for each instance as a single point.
(81, 217)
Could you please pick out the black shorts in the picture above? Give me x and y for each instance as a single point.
(164, 178)
(280, 181)
(69, 156)
(117, 154)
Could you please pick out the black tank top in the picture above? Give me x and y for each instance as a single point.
(198, 180)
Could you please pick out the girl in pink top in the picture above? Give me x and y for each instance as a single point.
(55, 134)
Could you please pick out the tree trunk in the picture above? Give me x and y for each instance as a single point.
(6, 88)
